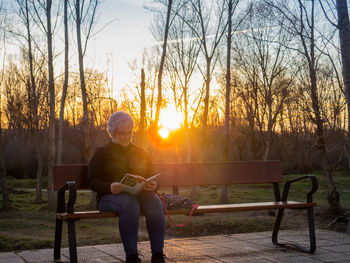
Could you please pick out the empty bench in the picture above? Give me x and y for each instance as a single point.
(73, 177)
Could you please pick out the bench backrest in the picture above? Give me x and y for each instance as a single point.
(189, 174)
(70, 172)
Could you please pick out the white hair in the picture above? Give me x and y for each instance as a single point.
(119, 120)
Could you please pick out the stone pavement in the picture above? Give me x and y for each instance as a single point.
(249, 247)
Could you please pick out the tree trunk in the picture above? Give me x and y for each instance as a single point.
(51, 157)
(203, 130)
(86, 130)
(143, 107)
(344, 37)
(34, 100)
(333, 195)
(228, 79)
(39, 173)
(161, 66)
(186, 125)
(34, 104)
(5, 193)
(267, 144)
(65, 85)
(207, 93)
(224, 192)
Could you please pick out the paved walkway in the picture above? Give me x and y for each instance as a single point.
(250, 247)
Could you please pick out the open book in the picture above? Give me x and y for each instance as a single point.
(133, 184)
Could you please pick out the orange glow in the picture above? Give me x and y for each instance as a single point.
(164, 133)
(170, 119)
(167, 134)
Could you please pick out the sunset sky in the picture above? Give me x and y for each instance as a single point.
(120, 35)
(122, 40)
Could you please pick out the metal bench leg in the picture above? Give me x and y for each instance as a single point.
(72, 241)
(277, 226)
(310, 216)
(312, 234)
(58, 239)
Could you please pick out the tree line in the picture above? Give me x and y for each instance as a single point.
(253, 80)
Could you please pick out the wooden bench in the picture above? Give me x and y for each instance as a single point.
(73, 177)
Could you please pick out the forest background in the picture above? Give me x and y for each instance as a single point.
(241, 80)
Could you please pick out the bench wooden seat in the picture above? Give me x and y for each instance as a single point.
(202, 209)
(72, 177)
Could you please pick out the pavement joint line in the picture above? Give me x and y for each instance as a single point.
(108, 254)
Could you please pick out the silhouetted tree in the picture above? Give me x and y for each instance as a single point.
(84, 14)
(3, 182)
(65, 85)
(302, 25)
(168, 5)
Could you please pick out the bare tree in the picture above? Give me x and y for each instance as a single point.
(40, 7)
(168, 4)
(3, 182)
(212, 28)
(302, 26)
(342, 24)
(24, 13)
(19, 118)
(2, 48)
(228, 82)
(265, 66)
(344, 36)
(182, 61)
(51, 158)
(65, 85)
(15, 98)
(231, 7)
(34, 105)
(224, 192)
(82, 14)
(96, 92)
(47, 29)
(146, 85)
(142, 106)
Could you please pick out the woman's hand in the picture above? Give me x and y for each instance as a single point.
(152, 186)
(116, 188)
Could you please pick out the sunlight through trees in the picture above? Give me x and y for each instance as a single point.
(285, 97)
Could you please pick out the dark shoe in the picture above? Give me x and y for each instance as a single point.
(133, 259)
(158, 258)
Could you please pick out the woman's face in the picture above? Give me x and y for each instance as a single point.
(123, 136)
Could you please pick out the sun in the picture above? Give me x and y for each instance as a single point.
(169, 120)
(164, 133)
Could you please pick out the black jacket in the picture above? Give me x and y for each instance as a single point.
(112, 161)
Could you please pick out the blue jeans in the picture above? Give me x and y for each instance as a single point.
(129, 206)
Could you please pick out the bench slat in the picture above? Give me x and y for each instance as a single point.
(251, 206)
(201, 209)
(188, 174)
(218, 173)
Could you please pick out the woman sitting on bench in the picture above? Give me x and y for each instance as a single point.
(107, 167)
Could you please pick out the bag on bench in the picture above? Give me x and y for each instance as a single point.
(171, 202)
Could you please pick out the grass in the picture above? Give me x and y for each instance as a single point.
(31, 226)
(24, 183)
